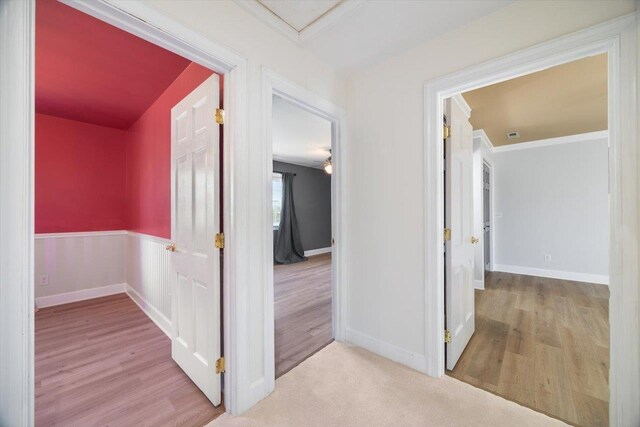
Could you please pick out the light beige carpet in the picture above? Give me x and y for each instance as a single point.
(347, 386)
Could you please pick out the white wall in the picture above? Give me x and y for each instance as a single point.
(76, 262)
(553, 200)
(93, 264)
(386, 220)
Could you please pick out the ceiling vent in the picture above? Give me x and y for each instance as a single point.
(513, 135)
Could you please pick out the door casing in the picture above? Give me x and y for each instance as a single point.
(617, 38)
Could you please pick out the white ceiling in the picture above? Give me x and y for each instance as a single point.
(351, 34)
(299, 14)
(299, 137)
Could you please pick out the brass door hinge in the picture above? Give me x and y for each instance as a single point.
(446, 132)
(447, 337)
(219, 116)
(447, 234)
(220, 240)
(220, 366)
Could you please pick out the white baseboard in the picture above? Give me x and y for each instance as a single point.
(478, 284)
(553, 274)
(152, 313)
(390, 351)
(75, 296)
(313, 252)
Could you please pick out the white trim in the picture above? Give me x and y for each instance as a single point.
(478, 284)
(409, 358)
(553, 274)
(157, 239)
(81, 295)
(152, 312)
(312, 252)
(492, 233)
(462, 103)
(617, 38)
(581, 137)
(484, 138)
(145, 21)
(267, 16)
(17, 56)
(79, 234)
(274, 84)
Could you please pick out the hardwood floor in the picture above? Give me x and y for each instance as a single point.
(543, 343)
(104, 362)
(302, 294)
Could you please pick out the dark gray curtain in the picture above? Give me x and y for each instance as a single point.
(288, 248)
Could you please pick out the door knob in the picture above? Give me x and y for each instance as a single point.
(171, 247)
(474, 240)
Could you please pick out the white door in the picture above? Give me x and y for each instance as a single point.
(195, 261)
(459, 290)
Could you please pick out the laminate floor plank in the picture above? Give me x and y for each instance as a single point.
(302, 296)
(103, 362)
(543, 343)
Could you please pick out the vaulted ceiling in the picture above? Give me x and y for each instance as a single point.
(90, 71)
(568, 99)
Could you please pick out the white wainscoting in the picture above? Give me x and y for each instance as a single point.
(148, 277)
(78, 265)
(88, 265)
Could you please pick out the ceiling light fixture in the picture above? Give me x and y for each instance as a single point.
(328, 167)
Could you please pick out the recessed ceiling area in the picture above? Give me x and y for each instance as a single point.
(90, 71)
(568, 99)
(299, 137)
(299, 14)
(352, 34)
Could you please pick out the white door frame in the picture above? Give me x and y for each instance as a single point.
(489, 163)
(618, 39)
(274, 84)
(145, 22)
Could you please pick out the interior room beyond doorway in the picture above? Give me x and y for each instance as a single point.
(539, 151)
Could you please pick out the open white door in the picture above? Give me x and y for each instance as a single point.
(459, 289)
(195, 263)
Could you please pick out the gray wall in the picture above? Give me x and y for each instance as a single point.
(312, 199)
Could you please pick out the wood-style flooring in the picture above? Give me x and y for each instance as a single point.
(104, 362)
(543, 343)
(302, 294)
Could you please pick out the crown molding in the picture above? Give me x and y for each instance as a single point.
(482, 136)
(462, 103)
(581, 137)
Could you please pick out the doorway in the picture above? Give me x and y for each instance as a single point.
(322, 276)
(577, 46)
(486, 215)
(110, 157)
(529, 343)
(302, 233)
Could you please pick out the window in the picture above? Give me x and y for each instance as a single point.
(277, 198)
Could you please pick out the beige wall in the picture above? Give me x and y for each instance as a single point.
(386, 219)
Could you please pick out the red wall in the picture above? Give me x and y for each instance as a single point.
(93, 178)
(80, 176)
(148, 187)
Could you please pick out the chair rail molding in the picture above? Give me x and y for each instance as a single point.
(618, 39)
